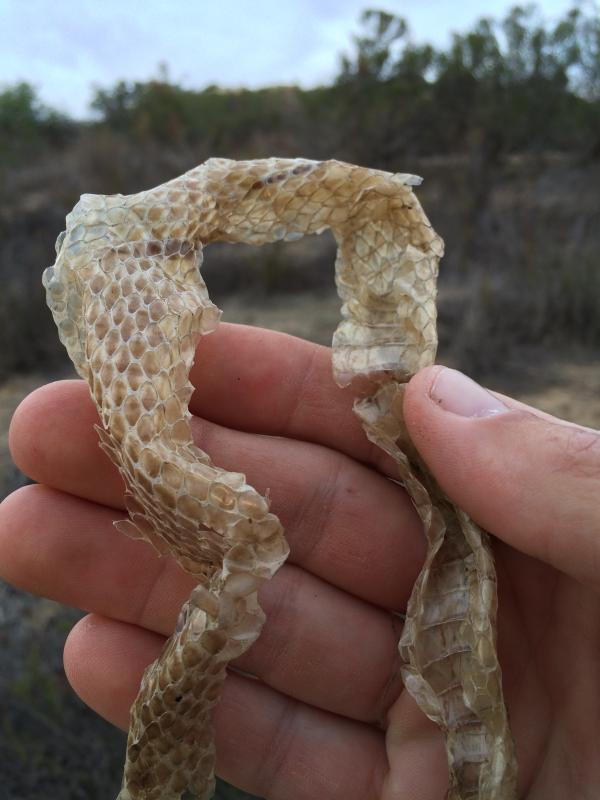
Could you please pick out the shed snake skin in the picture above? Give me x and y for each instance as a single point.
(130, 305)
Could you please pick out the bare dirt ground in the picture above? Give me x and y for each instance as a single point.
(568, 389)
(50, 744)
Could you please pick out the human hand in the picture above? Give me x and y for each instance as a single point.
(315, 723)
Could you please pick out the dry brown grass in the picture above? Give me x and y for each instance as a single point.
(521, 266)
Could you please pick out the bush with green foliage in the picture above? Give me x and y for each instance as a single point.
(27, 126)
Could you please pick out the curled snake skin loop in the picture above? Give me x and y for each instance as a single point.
(130, 305)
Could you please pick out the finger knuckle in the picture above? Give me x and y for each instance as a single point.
(578, 453)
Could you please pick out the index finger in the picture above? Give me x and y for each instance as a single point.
(268, 382)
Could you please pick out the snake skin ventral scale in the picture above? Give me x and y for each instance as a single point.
(130, 305)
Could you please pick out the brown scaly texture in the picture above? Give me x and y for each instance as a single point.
(130, 305)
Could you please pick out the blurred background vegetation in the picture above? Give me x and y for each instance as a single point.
(504, 125)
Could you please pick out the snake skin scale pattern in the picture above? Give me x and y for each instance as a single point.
(130, 305)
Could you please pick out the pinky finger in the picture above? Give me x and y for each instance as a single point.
(267, 743)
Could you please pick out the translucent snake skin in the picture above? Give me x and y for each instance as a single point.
(130, 305)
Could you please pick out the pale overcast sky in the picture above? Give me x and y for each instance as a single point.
(63, 47)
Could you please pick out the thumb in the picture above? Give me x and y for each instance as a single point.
(528, 478)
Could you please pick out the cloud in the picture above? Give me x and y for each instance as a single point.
(66, 46)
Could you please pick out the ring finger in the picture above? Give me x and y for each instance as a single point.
(320, 645)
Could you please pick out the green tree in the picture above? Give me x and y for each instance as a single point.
(375, 48)
(26, 124)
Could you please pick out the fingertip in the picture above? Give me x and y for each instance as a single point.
(10, 509)
(86, 641)
(440, 388)
(104, 660)
(75, 653)
(35, 414)
(466, 436)
(446, 413)
(21, 514)
(21, 435)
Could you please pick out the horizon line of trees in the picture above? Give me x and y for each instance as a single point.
(505, 86)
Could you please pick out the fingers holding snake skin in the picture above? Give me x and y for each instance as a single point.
(326, 500)
(268, 744)
(67, 549)
(130, 306)
(528, 478)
